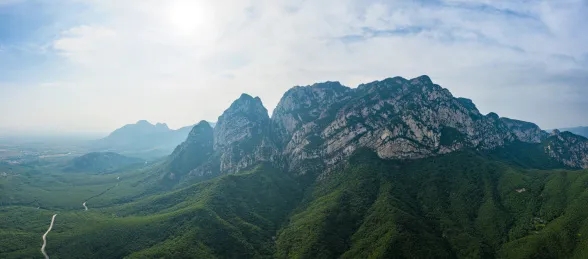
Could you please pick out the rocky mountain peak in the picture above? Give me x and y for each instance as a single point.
(244, 119)
(493, 116)
(245, 96)
(247, 103)
(239, 139)
(315, 127)
(242, 135)
(424, 79)
(306, 96)
(399, 86)
(199, 131)
(306, 104)
(396, 117)
(332, 85)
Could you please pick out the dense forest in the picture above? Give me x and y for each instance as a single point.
(461, 205)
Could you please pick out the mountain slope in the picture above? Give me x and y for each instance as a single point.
(460, 205)
(212, 219)
(196, 152)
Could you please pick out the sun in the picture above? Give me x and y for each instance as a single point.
(190, 17)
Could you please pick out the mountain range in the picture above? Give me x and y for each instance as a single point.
(397, 168)
(315, 128)
(394, 168)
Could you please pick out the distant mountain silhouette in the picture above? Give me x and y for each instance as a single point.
(143, 139)
(582, 131)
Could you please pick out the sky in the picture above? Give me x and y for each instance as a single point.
(95, 65)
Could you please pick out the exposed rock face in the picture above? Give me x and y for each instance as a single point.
(316, 127)
(300, 116)
(398, 118)
(242, 135)
(241, 138)
(525, 131)
(570, 149)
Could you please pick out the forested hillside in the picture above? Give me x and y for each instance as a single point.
(461, 205)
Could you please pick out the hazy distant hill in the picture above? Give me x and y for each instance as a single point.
(143, 139)
(101, 162)
(582, 131)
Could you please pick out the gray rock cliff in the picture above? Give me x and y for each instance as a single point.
(525, 131)
(314, 128)
(570, 149)
(242, 135)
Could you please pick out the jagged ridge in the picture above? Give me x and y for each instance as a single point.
(314, 128)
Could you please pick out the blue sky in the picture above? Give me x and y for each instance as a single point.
(94, 65)
(27, 29)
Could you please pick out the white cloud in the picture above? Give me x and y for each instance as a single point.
(89, 45)
(182, 61)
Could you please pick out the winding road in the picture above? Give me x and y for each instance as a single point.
(85, 205)
(45, 237)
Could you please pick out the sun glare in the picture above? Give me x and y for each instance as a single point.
(189, 18)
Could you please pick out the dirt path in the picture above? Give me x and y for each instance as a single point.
(45, 237)
(86, 207)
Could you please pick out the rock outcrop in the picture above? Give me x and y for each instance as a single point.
(242, 135)
(396, 117)
(241, 138)
(313, 128)
(525, 131)
(568, 148)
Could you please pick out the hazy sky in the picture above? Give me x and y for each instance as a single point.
(94, 65)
